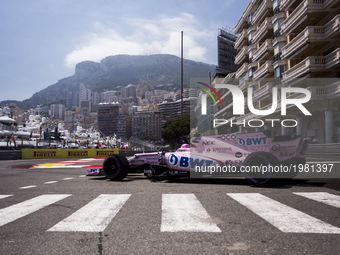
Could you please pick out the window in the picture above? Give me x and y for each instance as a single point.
(251, 53)
(250, 19)
(276, 7)
(279, 71)
(278, 51)
(251, 71)
(277, 27)
(276, 3)
(250, 37)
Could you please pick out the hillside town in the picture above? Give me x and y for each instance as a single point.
(137, 111)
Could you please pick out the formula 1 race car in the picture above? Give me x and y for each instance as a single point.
(259, 157)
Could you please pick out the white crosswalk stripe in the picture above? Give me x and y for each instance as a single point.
(4, 196)
(323, 197)
(285, 218)
(95, 216)
(22, 209)
(183, 212)
(179, 212)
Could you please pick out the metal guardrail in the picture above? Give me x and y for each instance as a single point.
(128, 153)
(10, 154)
(331, 148)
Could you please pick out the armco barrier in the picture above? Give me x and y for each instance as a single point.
(128, 153)
(10, 154)
(331, 148)
(67, 153)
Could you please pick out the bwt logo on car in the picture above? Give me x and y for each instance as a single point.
(188, 162)
(252, 141)
(239, 100)
(172, 160)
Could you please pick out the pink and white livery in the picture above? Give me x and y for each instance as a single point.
(258, 157)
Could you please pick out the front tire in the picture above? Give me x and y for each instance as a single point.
(116, 167)
(257, 160)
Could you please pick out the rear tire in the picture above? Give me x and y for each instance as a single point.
(257, 159)
(116, 167)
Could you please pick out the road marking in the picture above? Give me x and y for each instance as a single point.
(59, 166)
(51, 182)
(69, 178)
(81, 176)
(283, 217)
(95, 216)
(323, 197)
(22, 209)
(28, 187)
(183, 212)
(4, 196)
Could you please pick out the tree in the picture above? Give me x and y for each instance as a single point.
(176, 131)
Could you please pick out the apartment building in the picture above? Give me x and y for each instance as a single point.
(114, 119)
(57, 111)
(172, 109)
(146, 124)
(287, 44)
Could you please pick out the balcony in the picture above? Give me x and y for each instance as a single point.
(242, 39)
(263, 92)
(266, 68)
(317, 93)
(264, 51)
(264, 30)
(308, 35)
(262, 11)
(332, 60)
(333, 91)
(242, 56)
(243, 69)
(306, 12)
(223, 110)
(306, 66)
(286, 4)
(332, 28)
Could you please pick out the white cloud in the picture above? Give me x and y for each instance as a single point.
(144, 36)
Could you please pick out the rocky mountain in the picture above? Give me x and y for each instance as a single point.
(162, 71)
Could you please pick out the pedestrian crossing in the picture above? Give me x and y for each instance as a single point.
(283, 217)
(179, 212)
(183, 212)
(22, 209)
(97, 214)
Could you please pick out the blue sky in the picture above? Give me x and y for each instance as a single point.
(42, 40)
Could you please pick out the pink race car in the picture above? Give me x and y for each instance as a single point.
(258, 157)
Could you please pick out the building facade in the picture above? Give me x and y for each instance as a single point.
(114, 119)
(146, 124)
(289, 44)
(57, 111)
(226, 51)
(172, 109)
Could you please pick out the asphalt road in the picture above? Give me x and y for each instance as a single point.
(55, 209)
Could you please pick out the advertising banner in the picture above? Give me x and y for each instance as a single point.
(67, 153)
